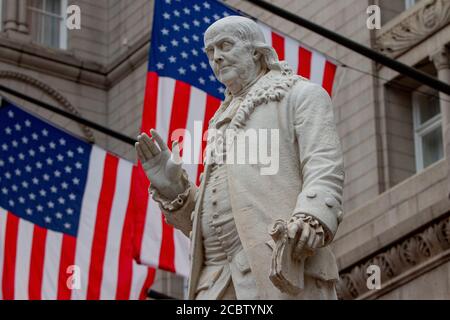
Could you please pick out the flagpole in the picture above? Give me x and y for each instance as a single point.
(69, 115)
(401, 68)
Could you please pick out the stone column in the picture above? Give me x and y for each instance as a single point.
(10, 15)
(22, 16)
(442, 63)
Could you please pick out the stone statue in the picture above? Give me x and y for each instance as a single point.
(254, 235)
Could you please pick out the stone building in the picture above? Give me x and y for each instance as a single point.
(394, 131)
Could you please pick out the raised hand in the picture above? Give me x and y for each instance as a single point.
(162, 167)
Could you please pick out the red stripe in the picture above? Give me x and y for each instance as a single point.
(10, 252)
(180, 110)
(67, 259)
(101, 227)
(304, 62)
(125, 268)
(37, 263)
(278, 45)
(139, 180)
(147, 283)
(212, 104)
(328, 76)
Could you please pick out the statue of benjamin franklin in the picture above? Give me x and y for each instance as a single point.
(230, 215)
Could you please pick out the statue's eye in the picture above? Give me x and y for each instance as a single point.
(226, 45)
(210, 53)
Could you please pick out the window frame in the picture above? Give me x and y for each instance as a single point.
(421, 130)
(63, 36)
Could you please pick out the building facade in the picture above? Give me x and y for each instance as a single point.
(394, 131)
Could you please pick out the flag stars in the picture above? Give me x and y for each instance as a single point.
(72, 196)
(193, 67)
(49, 161)
(165, 32)
(70, 154)
(216, 16)
(166, 15)
(25, 140)
(206, 5)
(67, 225)
(11, 159)
(59, 215)
(212, 78)
(184, 55)
(53, 189)
(57, 174)
(27, 123)
(76, 181)
(31, 152)
(22, 200)
(64, 185)
(45, 133)
(182, 71)
(8, 130)
(61, 200)
(186, 25)
(50, 204)
(207, 20)
(203, 65)
(176, 13)
(52, 145)
(5, 147)
(39, 208)
(28, 168)
(201, 80)
(186, 11)
(69, 211)
(25, 184)
(185, 39)
(14, 188)
(32, 196)
(162, 48)
(174, 43)
(15, 144)
(18, 172)
(42, 192)
(35, 180)
(60, 157)
(10, 114)
(196, 8)
(18, 127)
(196, 22)
(34, 136)
(62, 141)
(68, 169)
(80, 150)
(4, 190)
(176, 27)
(7, 175)
(160, 65)
(21, 156)
(29, 211)
(39, 165)
(42, 149)
(46, 177)
(11, 203)
(2, 163)
(47, 219)
(172, 59)
(194, 52)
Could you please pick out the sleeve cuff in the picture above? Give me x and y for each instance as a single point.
(322, 206)
(175, 204)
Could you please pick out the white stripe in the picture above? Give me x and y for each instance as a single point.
(267, 33)
(181, 253)
(291, 53)
(139, 276)
(317, 67)
(88, 218)
(23, 258)
(116, 221)
(3, 216)
(51, 265)
(152, 237)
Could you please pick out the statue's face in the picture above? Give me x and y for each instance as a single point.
(233, 61)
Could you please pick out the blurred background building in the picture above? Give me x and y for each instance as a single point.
(392, 128)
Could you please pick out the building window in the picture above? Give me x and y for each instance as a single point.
(409, 3)
(47, 24)
(427, 127)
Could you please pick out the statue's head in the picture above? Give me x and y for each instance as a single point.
(238, 52)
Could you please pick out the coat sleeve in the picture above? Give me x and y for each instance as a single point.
(321, 159)
(178, 211)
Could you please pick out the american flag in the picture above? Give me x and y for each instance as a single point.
(65, 215)
(181, 89)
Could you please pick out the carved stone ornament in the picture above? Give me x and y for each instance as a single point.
(421, 23)
(54, 94)
(395, 261)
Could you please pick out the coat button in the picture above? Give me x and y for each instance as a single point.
(311, 194)
(329, 202)
(214, 203)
